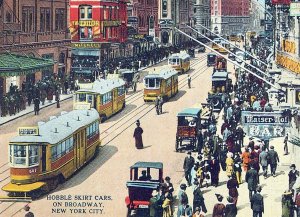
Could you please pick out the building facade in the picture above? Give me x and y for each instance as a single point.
(35, 29)
(256, 15)
(202, 15)
(230, 16)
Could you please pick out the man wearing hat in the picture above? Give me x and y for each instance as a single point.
(198, 200)
(293, 175)
(252, 180)
(263, 160)
(138, 135)
(230, 209)
(184, 210)
(274, 159)
(169, 186)
(153, 204)
(188, 164)
(182, 196)
(28, 213)
(257, 203)
(219, 208)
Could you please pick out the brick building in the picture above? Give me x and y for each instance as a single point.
(230, 16)
(34, 29)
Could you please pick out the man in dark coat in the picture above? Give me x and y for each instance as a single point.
(36, 106)
(273, 155)
(257, 203)
(263, 160)
(57, 99)
(187, 166)
(230, 209)
(219, 208)
(198, 200)
(252, 180)
(233, 185)
(138, 135)
(293, 175)
(214, 171)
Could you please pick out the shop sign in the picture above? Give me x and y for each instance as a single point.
(139, 36)
(111, 23)
(82, 106)
(288, 63)
(132, 20)
(265, 131)
(86, 45)
(261, 118)
(86, 23)
(289, 46)
(295, 9)
(28, 131)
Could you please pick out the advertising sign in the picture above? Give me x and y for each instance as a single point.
(269, 22)
(28, 131)
(295, 9)
(86, 45)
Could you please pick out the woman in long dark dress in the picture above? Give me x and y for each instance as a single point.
(138, 135)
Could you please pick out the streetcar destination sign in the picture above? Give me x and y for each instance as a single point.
(28, 131)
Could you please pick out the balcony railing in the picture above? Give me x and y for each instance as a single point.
(13, 27)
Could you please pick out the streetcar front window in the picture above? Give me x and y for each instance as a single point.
(19, 154)
(174, 61)
(152, 83)
(81, 97)
(90, 99)
(33, 155)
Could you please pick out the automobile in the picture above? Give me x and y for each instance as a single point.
(144, 178)
(201, 49)
(241, 55)
(211, 59)
(188, 125)
(130, 77)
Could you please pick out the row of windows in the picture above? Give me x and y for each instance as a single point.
(108, 13)
(28, 19)
(106, 98)
(121, 91)
(92, 129)
(24, 155)
(62, 148)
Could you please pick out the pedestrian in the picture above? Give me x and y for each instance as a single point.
(160, 104)
(36, 102)
(214, 171)
(287, 204)
(274, 159)
(219, 208)
(257, 203)
(198, 200)
(263, 160)
(229, 164)
(252, 180)
(188, 164)
(167, 205)
(153, 204)
(246, 159)
(169, 186)
(182, 196)
(157, 105)
(189, 81)
(238, 168)
(285, 147)
(57, 99)
(28, 213)
(138, 135)
(297, 202)
(197, 212)
(232, 186)
(293, 175)
(230, 208)
(184, 210)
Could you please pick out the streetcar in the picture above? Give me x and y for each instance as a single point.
(234, 37)
(223, 47)
(161, 82)
(41, 157)
(215, 44)
(106, 96)
(180, 62)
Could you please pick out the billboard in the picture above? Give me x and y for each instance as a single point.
(295, 9)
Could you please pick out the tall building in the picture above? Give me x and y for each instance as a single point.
(33, 30)
(202, 15)
(256, 12)
(230, 16)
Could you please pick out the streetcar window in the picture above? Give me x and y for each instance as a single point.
(33, 155)
(174, 61)
(10, 153)
(67, 145)
(58, 151)
(90, 98)
(53, 153)
(19, 154)
(81, 97)
(63, 148)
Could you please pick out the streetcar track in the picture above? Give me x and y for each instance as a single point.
(4, 170)
(4, 179)
(4, 165)
(12, 203)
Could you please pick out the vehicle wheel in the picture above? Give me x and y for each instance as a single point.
(103, 118)
(182, 71)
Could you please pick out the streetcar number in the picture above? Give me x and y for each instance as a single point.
(33, 170)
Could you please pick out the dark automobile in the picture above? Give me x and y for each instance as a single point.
(211, 59)
(191, 52)
(140, 187)
(130, 77)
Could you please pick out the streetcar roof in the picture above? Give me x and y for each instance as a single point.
(190, 112)
(141, 164)
(103, 86)
(219, 75)
(163, 72)
(179, 56)
(59, 128)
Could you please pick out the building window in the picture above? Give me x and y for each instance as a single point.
(60, 19)
(45, 20)
(27, 19)
(85, 12)
(86, 33)
(116, 13)
(110, 13)
(104, 33)
(8, 17)
(105, 15)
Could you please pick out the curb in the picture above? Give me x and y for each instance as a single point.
(69, 97)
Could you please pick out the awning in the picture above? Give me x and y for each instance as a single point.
(16, 65)
(86, 52)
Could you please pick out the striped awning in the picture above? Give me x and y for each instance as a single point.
(16, 65)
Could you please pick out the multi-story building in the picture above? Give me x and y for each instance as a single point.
(230, 16)
(256, 15)
(202, 15)
(34, 29)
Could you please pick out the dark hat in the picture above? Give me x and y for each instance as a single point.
(138, 122)
(183, 186)
(230, 199)
(258, 188)
(168, 178)
(271, 147)
(219, 197)
(189, 153)
(196, 182)
(293, 165)
(27, 208)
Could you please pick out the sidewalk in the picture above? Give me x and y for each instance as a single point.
(30, 109)
(272, 187)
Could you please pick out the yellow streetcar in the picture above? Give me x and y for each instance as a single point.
(180, 62)
(223, 48)
(161, 82)
(41, 157)
(106, 96)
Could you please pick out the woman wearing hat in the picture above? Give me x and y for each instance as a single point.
(230, 209)
(229, 164)
(198, 212)
(287, 204)
(219, 208)
(138, 135)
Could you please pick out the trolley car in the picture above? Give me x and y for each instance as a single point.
(180, 62)
(42, 157)
(163, 82)
(106, 96)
